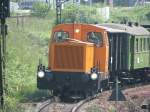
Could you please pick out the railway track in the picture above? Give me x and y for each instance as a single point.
(53, 105)
(45, 104)
(79, 104)
(132, 103)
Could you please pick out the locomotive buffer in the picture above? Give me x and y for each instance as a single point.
(4, 13)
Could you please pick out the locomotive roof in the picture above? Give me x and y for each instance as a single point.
(123, 28)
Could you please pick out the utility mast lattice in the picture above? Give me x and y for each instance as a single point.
(139, 2)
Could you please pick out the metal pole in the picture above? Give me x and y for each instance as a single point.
(58, 11)
(1, 75)
(148, 107)
(117, 88)
(4, 13)
(2, 59)
(91, 2)
(117, 91)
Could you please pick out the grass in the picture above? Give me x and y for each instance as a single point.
(26, 43)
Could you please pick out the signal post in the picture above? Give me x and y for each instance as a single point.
(4, 13)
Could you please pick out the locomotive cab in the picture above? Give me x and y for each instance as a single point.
(78, 60)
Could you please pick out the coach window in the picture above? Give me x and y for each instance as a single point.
(61, 36)
(137, 45)
(145, 45)
(141, 44)
(95, 37)
(148, 43)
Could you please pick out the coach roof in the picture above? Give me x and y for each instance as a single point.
(118, 28)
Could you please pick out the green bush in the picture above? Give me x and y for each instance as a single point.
(80, 14)
(136, 14)
(11, 105)
(40, 9)
(25, 45)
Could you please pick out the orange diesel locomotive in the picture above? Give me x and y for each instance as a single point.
(78, 60)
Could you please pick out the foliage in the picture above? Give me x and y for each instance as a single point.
(25, 45)
(80, 14)
(11, 105)
(135, 14)
(40, 9)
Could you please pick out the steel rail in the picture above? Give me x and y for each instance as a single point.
(45, 104)
(82, 102)
(79, 104)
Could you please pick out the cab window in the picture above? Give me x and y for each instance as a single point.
(96, 38)
(61, 36)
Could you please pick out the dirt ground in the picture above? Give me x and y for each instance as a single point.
(134, 99)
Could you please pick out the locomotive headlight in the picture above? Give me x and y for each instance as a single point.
(77, 30)
(41, 74)
(94, 76)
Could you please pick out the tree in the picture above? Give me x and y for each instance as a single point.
(40, 9)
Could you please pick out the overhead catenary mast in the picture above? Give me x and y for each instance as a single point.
(58, 10)
(111, 3)
(140, 2)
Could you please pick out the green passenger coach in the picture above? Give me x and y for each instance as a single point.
(129, 52)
